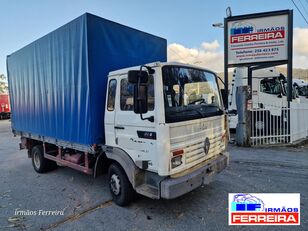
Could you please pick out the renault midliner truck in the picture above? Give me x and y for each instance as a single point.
(98, 96)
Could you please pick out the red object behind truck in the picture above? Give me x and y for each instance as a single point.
(5, 111)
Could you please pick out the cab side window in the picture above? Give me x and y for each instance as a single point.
(111, 94)
(127, 95)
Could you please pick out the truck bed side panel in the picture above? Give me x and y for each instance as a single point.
(49, 87)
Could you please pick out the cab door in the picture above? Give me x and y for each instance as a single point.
(132, 134)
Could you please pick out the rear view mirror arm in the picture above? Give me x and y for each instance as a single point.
(150, 71)
(150, 118)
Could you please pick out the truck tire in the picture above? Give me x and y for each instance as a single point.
(39, 162)
(120, 187)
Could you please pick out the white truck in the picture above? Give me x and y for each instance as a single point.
(159, 129)
(268, 92)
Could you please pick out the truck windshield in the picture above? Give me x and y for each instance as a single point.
(190, 93)
(271, 86)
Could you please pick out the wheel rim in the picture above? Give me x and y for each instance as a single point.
(260, 125)
(115, 184)
(36, 160)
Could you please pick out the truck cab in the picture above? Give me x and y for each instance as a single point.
(5, 111)
(177, 137)
(268, 92)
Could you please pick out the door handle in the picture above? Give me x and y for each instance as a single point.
(119, 127)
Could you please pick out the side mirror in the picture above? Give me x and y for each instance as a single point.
(140, 81)
(134, 75)
(281, 76)
(140, 99)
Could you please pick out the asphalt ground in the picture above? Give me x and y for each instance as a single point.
(84, 203)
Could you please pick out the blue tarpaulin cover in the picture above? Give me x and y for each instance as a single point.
(58, 83)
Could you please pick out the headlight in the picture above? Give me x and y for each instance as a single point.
(176, 161)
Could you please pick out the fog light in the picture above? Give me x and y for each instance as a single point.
(176, 161)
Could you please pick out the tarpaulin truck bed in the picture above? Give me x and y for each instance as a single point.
(58, 83)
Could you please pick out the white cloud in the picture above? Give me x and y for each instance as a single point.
(300, 61)
(206, 56)
(300, 48)
(300, 41)
(209, 55)
(210, 46)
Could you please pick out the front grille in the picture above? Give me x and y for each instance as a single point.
(194, 151)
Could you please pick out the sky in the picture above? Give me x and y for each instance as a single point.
(187, 25)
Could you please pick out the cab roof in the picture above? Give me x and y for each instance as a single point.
(156, 64)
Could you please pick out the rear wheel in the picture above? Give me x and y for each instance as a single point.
(120, 187)
(39, 162)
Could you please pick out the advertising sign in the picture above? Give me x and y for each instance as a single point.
(256, 40)
(264, 209)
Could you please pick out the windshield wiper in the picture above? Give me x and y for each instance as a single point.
(212, 106)
(195, 109)
(197, 100)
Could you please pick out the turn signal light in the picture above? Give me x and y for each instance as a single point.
(178, 152)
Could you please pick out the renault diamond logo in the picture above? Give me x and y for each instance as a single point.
(206, 145)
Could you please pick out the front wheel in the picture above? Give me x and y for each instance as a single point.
(120, 187)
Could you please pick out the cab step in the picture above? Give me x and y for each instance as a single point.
(148, 191)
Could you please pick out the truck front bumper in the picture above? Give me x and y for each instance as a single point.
(174, 187)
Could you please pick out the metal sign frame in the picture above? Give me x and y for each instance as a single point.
(259, 65)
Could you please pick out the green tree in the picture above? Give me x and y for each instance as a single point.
(3, 84)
